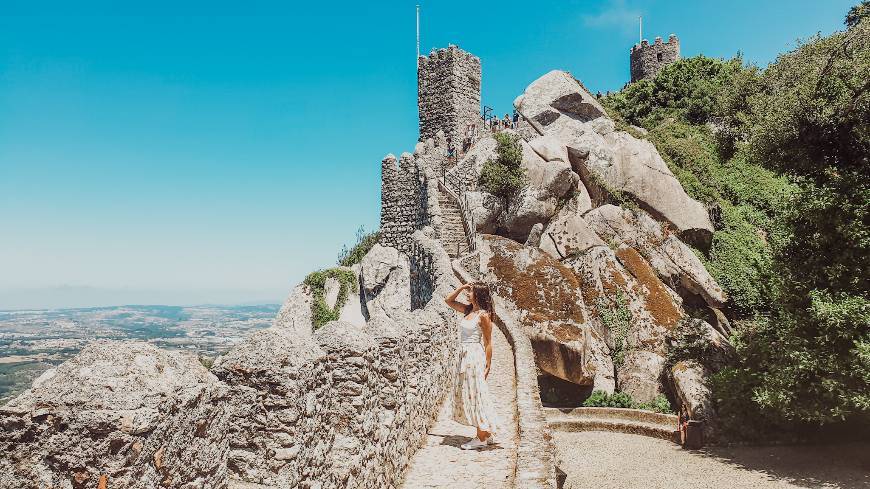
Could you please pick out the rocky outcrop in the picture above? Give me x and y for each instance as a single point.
(544, 296)
(558, 107)
(295, 313)
(125, 414)
(568, 234)
(385, 279)
(674, 262)
(632, 310)
(485, 209)
(525, 209)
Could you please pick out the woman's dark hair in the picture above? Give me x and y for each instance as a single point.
(483, 296)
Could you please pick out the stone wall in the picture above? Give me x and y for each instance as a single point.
(402, 201)
(647, 60)
(448, 93)
(409, 199)
(347, 406)
(344, 407)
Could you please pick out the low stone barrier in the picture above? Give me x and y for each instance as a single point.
(348, 406)
(344, 407)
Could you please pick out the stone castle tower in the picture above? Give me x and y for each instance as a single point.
(647, 60)
(448, 93)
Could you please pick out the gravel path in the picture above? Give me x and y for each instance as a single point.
(614, 460)
(441, 463)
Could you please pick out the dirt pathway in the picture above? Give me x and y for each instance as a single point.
(618, 461)
(441, 463)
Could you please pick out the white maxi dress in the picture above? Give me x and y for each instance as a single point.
(472, 403)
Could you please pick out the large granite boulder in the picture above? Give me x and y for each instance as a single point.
(122, 414)
(544, 296)
(295, 313)
(619, 161)
(525, 209)
(555, 95)
(551, 179)
(632, 310)
(385, 277)
(485, 208)
(550, 148)
(568, 234)
(558, 106)
(674, 262)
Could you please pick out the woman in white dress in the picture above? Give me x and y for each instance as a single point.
(472, 404)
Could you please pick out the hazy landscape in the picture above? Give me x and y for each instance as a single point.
(34, 341)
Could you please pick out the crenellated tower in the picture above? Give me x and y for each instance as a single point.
(648, 59)
(448, 93)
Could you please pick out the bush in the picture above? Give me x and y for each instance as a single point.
(321, 313)
(810, 121)
(690, 89)
(504, 176)
(616, 318)
(622, 400)
(364, 243)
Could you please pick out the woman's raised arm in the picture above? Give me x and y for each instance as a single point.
(455, 304)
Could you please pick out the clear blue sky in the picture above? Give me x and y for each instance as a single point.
(182, 152)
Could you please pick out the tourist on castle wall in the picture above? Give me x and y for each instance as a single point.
(471, 401)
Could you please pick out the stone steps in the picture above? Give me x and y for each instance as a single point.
(453, 237)
(632, 421)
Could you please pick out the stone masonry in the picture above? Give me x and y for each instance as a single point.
(448, 93)
(647, 60)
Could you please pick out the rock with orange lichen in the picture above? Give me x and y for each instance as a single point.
(632, 309)
(545, 297)
(673, 261)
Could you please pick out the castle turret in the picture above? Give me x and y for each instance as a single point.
(448, 93)
(648, 59)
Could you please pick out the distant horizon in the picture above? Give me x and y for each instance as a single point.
(197, 151)
(87, 297)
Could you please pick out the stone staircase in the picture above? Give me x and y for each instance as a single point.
(633, 421)
(453, 237)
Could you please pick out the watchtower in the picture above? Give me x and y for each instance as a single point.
(648, 59)
(448, 93)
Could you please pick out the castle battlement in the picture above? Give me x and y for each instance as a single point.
(648, 59)
(448, 93)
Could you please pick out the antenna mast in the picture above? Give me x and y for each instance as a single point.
(418, 31)
(640, 19)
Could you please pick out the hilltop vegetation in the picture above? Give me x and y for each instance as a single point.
(780, 156)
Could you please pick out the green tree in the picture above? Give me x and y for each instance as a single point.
(858, 13)
(504, 176)
(811, 121)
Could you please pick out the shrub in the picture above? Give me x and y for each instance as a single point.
(321, 313)
(616, 317)
(364, 243)
(810, 121)
(504, 176)
(622, 400)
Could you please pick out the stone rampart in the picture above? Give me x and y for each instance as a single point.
(409, 199)
(348, 406)
(344, 407)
